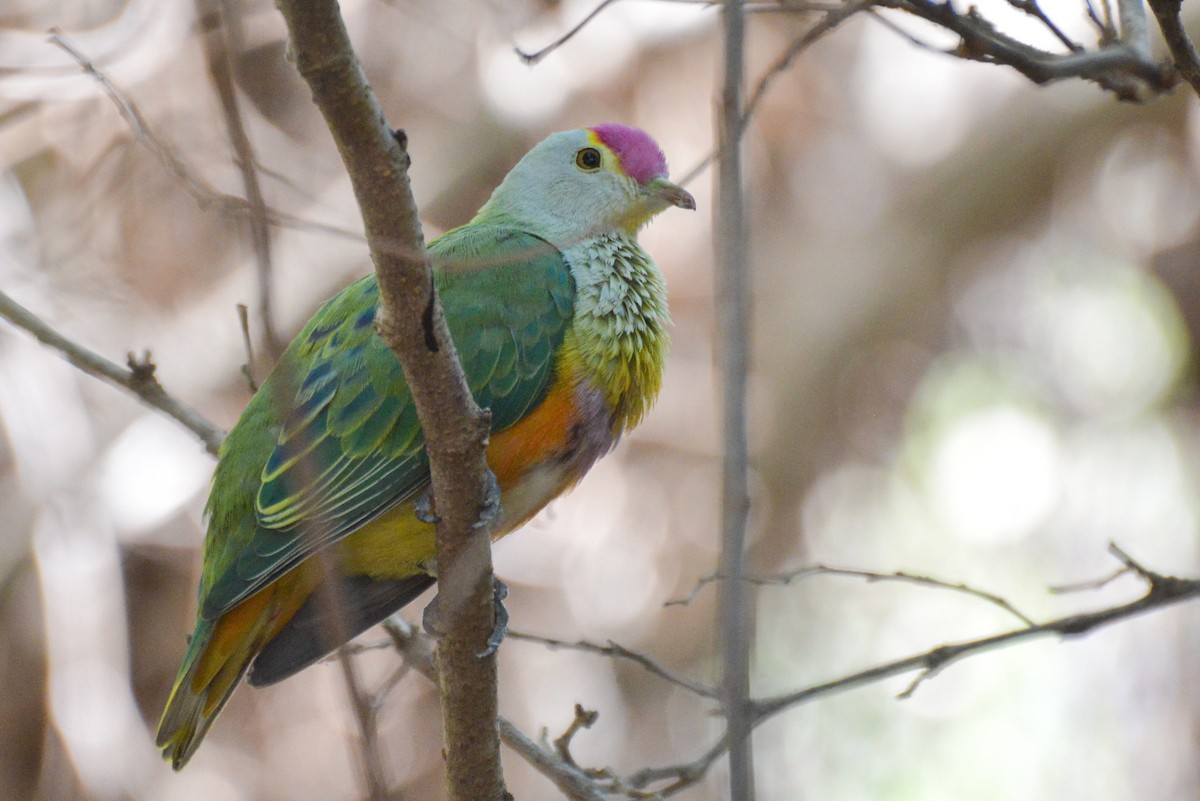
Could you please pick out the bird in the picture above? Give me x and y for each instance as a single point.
(560, 320)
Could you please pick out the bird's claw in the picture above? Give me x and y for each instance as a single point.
(423, 507)
(490, 514)
(500, 627)
(429, 619)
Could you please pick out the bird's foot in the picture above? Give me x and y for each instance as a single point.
(500, 612)
(432, 625)
(492, 510)
(423, 507)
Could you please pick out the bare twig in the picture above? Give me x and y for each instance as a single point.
(204, 195)
(1033, 9)
(538, 55)
(615, 651)
(1118, 67)
(584, 719)
(1135, 33)
(832, 16)
(736, 612)
(196, 187)
(222, 25)
(137, 378)
(1183, 50)
(681, 775)
(248, 367)
(830, 20)
(1161, 591)
(573, 782)
(410, 320)
(898, 576)
(364, 715)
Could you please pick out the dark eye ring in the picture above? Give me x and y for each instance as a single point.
(588, 159)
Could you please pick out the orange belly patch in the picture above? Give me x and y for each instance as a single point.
(543, 434)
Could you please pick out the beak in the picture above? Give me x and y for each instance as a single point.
(671, 194)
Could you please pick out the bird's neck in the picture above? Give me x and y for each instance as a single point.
(618, 340)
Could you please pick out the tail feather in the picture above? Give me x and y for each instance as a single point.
(218, 656)
(322, 623)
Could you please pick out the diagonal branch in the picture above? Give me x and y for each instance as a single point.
(138, 377)
(570, 779)
(616, 651)
(1126, 70)
(204, 195)
(410, 321)
(1161, 591)
(1183, 51)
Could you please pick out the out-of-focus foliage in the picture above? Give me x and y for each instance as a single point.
(975, 305)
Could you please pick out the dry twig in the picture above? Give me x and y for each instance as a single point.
(221, 23)
(138, 377)
(616, 651)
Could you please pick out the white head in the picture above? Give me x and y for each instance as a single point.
(579, 184)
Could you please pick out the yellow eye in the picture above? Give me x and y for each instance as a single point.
(588, 159)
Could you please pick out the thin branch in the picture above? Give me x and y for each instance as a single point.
(1135, 33)
(137, 378)
(222, 26)
(1183, 51)
(1118, 67)
(897, 576)
(1161, 591)
(736, 607)
(573, 782)
(830, 20)
(538, 55)
(681, 775)
(1033, 9)
(584, 719)
(832, 16)
(247, 368)
(204, 195)
(142, 132)
(616, 651)
(1094, 584)
(364, 715)
(411, 322)
(784, 579)
(700, 584)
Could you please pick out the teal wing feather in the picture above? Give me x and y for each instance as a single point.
(332, 439)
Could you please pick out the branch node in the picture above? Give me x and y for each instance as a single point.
(142, 369)
(584, 719)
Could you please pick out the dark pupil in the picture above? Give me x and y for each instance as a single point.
(591, 159)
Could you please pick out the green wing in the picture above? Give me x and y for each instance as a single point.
(332, 440)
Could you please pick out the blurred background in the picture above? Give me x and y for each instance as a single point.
(976, 303)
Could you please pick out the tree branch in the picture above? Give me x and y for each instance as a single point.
(1119, 67)
(221, 24)
(1161, 591)
(204, 195)
(1183, 51)
(617, 651)
(137, 378)
(410, 321)
(736, 612)
(570, 779)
